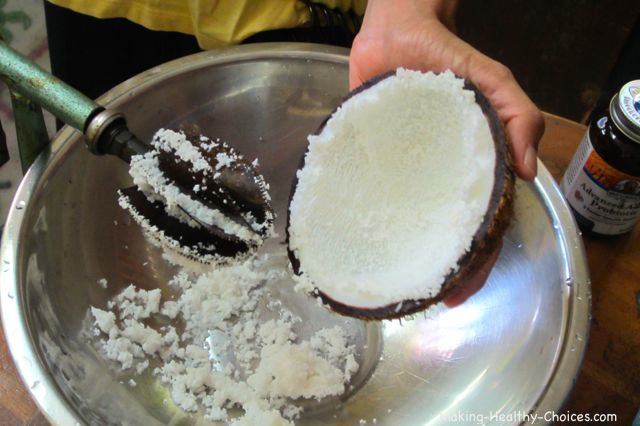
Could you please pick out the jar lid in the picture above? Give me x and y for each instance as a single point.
(625, 110)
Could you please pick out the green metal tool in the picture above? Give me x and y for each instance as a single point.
(32, 87)
(234, 191)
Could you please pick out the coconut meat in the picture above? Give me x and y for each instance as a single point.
(393, 190)
(146, 174)
(227, 353)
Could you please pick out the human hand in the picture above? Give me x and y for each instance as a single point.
(416, 34)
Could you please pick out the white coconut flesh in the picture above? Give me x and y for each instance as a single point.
(147, 176)
(393, 190)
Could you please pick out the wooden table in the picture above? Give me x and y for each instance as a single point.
(610, 378)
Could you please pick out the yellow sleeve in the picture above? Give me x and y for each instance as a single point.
(215, 23)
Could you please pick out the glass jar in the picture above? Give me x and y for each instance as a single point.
(602, 182)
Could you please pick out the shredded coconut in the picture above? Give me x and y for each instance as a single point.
(173, 251)
(148, 177)
(380, 158)
(226, 354)
(168, 140)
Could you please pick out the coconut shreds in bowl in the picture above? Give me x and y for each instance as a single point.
(226, 355)
(218, 353)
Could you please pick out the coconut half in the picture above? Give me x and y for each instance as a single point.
(404, 193)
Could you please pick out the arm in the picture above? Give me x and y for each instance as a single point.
(417, 34)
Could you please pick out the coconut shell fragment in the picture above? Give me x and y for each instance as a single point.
(403, 195)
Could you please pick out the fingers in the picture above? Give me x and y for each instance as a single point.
(365, 60)
(524, 131)
(523, 121)
(427, 45)
(355, 72)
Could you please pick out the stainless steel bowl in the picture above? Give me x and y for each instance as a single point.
(514, 348)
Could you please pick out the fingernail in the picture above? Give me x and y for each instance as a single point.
(531, 161)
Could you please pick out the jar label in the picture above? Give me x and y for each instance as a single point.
(604, 199)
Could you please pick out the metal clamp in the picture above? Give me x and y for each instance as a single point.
(96, 127)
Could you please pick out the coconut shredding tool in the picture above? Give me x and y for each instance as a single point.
(32, 87)
(106, 132)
